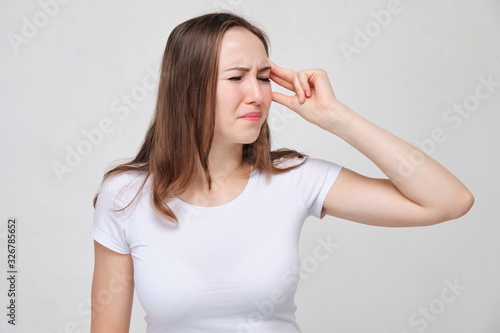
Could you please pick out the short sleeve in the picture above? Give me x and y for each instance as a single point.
(315, 178)
(108, 225)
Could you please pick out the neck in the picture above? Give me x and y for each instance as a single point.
(224, 163)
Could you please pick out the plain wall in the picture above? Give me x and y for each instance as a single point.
(71, 72)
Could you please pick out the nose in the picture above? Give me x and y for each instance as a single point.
(254, 91)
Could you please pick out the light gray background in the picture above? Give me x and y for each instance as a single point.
(72, 73)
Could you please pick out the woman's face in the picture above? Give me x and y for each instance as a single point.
(243, 88)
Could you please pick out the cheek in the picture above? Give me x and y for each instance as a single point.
(268, 92)
(225, 108)
(221, 106)
(227, 99)
(268, 97)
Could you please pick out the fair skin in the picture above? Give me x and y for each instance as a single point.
(239, 91)
(243, 87)
(425, 195)
(112, 291)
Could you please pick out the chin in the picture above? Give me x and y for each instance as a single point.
(249, 140)
(249, 137)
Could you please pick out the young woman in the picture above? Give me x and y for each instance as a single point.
(205, 221)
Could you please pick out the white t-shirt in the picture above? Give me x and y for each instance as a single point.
(229, 268)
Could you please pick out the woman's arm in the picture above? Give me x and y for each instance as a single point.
(112, 291)
(419, 191)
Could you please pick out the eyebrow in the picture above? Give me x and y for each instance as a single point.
(245, 69)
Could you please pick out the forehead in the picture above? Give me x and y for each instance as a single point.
(241, 47)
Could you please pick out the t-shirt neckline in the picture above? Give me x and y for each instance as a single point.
(228, 205)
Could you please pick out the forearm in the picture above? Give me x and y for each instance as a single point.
(419, 189)
(416, 175)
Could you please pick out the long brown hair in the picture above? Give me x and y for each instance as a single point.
(181, 131)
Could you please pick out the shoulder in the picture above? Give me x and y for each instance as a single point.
(308, 169)
(283, 163)
(124, 185)
(305, 164)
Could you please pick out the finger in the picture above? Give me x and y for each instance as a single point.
(282, 82)
(303, 78)
(283, 99)
(288, 79)
(306, 85)
(298, 89)
(284, 73)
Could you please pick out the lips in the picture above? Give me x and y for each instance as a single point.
(251, 116)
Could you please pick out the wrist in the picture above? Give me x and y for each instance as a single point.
(340, 119)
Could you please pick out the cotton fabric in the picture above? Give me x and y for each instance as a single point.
(229, 268)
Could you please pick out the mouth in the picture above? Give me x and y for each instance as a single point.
(252, 116)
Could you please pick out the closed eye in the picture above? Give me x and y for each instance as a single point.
(238, 78)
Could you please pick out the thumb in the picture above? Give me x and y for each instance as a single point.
(284, 100)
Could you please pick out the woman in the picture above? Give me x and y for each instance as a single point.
(205, 221)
